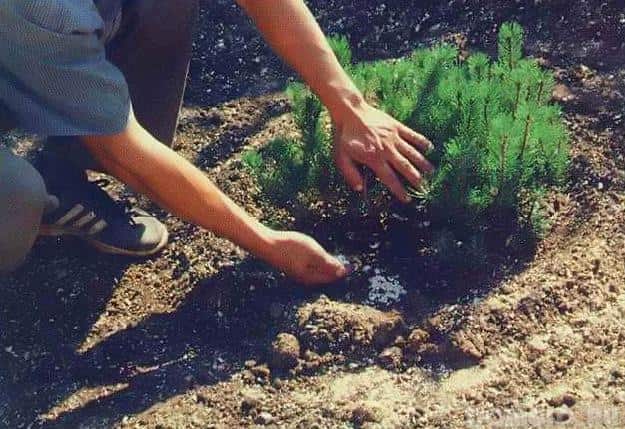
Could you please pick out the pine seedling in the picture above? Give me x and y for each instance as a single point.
(342, 50)
(499, 140)
(286, 167)
(510, 44)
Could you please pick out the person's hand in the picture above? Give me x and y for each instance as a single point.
(303, 259)
(372, 138)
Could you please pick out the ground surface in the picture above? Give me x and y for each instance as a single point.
(182, 340)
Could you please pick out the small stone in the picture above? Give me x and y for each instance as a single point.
(278, 383)
(311, 356)
(250, 364)
(250, 403)
(561, 414)
(400, 342)
(248, 376)
(537, 346)
(362, 414)
(619, 398)
(583, 72)
(391, 357)
(285, 352)
(567, 399)
(202, 398)
(264, 418)
(416, 340)
(261, 371)
(562, 93)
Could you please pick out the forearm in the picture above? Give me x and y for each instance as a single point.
(152, 169)
(291, 30)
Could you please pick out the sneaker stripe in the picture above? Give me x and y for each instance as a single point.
(75, 211)
(97, 227)
(84, 220)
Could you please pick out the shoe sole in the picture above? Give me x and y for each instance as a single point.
(51, 231)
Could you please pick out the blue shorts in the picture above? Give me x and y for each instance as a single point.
(55, 78)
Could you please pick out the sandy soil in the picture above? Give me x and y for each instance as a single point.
(204, 337)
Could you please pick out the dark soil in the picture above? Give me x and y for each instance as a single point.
(204, 336)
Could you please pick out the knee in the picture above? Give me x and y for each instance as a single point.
(21, 185)
(22, 202)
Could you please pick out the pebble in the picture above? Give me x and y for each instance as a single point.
(561, 414)
(619, 398)
(264, 418)
(203, 399)
(416, 340)
(249, 403)
(567, 399)
(537, 346)
(261, 371)
(391, 357)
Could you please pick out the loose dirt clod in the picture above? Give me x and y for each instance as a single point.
(391, 357)
(285, 352)
(249, 404)
(261, 371)
(329, 325)
(419, 346)
(362, 414)
(416, 340)
(473, 346)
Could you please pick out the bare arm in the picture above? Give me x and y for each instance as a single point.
(291, 29)
(151, 168)
(365, 136)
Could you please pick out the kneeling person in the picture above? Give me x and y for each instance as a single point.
(106, 79)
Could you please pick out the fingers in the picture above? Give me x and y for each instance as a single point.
(350, 171)
(415, 139)
(321, 267)
(326, 269)
(415, 157)
(335, 267)
(387, 176)
(403, 166)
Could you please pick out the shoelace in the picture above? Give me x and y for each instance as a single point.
(104, 205)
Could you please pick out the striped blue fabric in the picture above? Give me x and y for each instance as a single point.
(54, 75)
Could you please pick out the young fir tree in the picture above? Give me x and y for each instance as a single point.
(499, 141)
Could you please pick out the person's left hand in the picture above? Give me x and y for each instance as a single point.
(370, 137)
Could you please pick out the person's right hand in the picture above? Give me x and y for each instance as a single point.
(303, 259)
